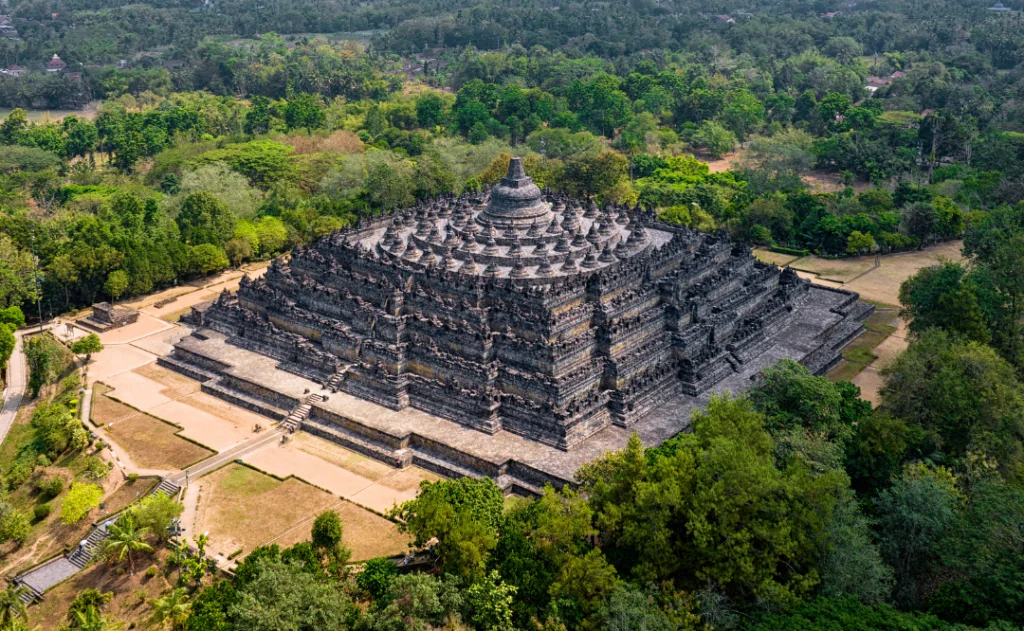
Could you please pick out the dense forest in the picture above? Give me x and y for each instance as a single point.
(235, 130)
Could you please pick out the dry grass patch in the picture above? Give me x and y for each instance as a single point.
(174, 385)
(367, 534)
(244, 508)
(338, 142)
(154, 444)
(838, 270)
(774, 258)
(106, 410)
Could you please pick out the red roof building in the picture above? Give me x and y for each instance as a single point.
(56, 64)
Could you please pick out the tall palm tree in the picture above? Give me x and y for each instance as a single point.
(173, 607)
(11, 605)
(125, 539)
(91, 620)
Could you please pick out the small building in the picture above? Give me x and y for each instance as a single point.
(56, 64)
(999, 8)
(13, 71)
(106, 316)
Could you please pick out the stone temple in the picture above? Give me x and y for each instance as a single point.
(515, 334)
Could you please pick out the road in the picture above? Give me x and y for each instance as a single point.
(17, 384)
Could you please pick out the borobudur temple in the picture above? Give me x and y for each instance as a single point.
(515, 311)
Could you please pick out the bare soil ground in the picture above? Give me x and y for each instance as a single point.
(243, 508)
(131, 594)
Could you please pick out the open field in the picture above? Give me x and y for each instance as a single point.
(150, 442)
(343, 472)
(154, 444)
(775, 258)
(367, 534)
(243, 508)
(835, 270)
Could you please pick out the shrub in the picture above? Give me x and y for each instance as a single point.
(376, 577)
(133, 478)
(42, 511)
(81, 499)
(151, 571)
(50, 487)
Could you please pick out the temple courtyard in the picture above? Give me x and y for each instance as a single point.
(159, 421)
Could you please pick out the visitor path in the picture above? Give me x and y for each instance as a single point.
(17, 380)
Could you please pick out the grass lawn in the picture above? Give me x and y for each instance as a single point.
(858, 353)
(245, 508)
(154, 444)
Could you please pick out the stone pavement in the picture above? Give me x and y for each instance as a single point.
(17, 383)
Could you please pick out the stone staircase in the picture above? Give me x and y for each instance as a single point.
(334, 383)
(301, 412)
(42, 577)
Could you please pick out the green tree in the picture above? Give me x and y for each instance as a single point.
(429, 110)
(489, 601)
(206, 258)
(87, 345)
(666, 513)
(859, 243)
(462, 514)
(791, 397)
(377, 577)
(125, 538)
(7, 344)
(327, 530)
(11, 604)
(257, 117)
(714, 138)
(963, 395)
(283, 597)
(237, 250)
(204, 219)
(304, 111)
(116, 284)
(944, 297)
(272, 234)
(17, 275)
(155, 512)
(982, 558)
(92, 620)
(913, 515)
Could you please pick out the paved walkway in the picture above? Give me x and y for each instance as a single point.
(17, 383)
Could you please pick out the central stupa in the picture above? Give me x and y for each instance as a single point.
(516, 200)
